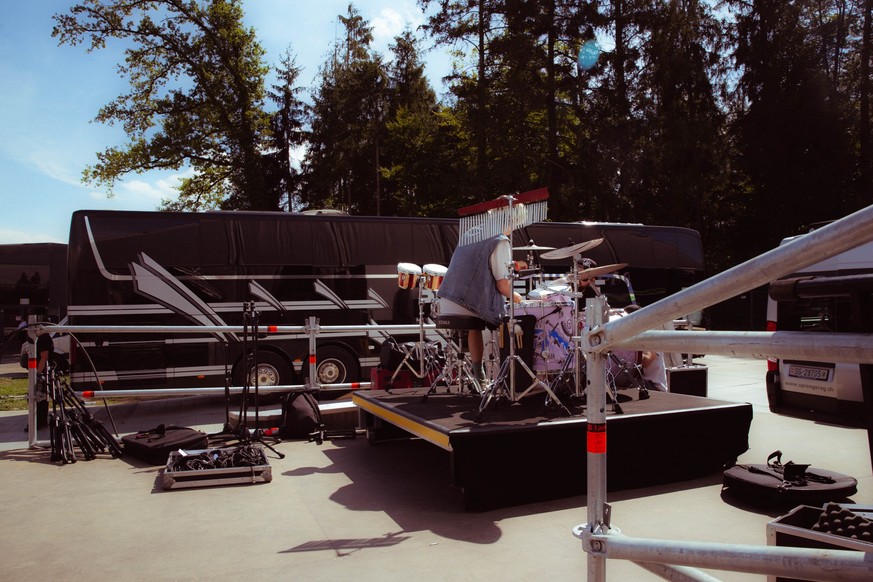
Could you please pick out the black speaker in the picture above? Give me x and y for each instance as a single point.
(691, 380)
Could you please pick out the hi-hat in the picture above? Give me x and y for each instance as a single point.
(532, 247)
(568, 252)
(585, 274)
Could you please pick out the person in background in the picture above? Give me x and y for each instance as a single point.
(654, 369)
(585, 284)
(44, 348)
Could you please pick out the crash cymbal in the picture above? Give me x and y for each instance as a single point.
(532, 248)
(596, 271)
(585, 274)
(568, 252)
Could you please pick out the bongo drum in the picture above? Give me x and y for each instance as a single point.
(433, 276)
(407, 275)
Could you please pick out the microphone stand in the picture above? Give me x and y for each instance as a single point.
(250, 322)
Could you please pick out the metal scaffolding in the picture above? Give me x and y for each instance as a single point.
(677, 560)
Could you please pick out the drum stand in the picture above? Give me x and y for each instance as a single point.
(506, 389)
(427, 353)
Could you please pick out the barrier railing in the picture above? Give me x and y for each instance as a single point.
(671, 559)
(311, 330)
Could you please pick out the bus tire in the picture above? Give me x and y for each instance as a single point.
(336, 366)
(272, 370)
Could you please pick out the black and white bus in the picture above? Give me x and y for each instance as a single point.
(341, 269)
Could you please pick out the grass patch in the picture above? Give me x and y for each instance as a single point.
(13, 393)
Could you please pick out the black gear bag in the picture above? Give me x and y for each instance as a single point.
(777, 485)
(155, 445)
(301, 417)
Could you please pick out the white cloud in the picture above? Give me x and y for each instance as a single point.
(146, 192)
(387, 25)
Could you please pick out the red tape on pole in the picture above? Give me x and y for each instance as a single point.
(597, 438)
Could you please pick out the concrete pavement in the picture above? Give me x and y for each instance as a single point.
(348, 510)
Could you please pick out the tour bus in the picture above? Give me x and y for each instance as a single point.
(342, 269)
(33, 277)
(828, 390)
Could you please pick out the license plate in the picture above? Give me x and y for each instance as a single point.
(809, 373)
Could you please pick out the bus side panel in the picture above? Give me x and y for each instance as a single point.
(342, 270)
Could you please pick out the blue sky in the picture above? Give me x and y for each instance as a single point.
(50, 94)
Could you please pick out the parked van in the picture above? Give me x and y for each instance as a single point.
(830, 390)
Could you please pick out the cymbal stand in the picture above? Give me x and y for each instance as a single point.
(503, 388)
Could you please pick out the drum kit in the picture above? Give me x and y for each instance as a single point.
(559, 319)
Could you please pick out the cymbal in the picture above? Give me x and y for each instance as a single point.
(585, 274)
(568, 252)
(532, 248)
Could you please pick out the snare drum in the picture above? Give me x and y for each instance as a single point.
(407, 275)
(433, 276)
(540, 294)
(553, 333)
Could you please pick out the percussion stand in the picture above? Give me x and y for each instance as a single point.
(500, 386)
(420, 347)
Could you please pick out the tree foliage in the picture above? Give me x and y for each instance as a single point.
(197, 96)
(719, 116)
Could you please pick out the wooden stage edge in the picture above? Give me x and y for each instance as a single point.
(524, 452)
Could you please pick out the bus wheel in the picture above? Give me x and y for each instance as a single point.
(272, 370)
(335, 366)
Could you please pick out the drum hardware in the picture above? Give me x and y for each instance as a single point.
(567, 252)
(590, 273)
(524, 274)
(504, 386)
(456, 366)
(410, 276)
(622, 369)
(532, 269)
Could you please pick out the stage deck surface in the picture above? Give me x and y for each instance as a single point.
(527, 451)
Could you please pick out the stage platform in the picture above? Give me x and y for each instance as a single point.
(524, 452)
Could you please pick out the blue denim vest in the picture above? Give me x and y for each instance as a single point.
(469, 282)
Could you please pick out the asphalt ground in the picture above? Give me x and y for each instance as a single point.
(349, 510)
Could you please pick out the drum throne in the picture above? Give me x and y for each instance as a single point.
(458, 368)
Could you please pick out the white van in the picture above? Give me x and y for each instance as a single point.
(828, 390)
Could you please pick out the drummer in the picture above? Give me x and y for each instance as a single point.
(654, 370)
(476, 284)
